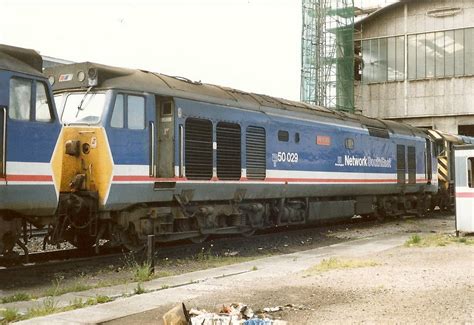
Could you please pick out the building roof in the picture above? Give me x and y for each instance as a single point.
(379, 12)
(22, 60)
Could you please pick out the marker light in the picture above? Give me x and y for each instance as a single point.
(81, 76)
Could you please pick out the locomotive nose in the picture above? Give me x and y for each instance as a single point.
(82, 161)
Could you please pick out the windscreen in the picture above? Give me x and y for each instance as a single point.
(83, 108)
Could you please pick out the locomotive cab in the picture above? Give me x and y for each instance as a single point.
(111, 135)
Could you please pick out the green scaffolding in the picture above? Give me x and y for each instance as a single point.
(327, 51)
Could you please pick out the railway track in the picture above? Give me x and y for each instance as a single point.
(64, 256)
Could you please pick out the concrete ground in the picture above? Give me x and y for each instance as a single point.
(413, 285)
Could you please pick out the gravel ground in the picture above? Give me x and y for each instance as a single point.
(433, 285)
(411, 285)
(175, 260)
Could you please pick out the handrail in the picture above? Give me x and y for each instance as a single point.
(152, 149)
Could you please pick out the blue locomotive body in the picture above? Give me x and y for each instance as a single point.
(29, 130)
(180, 159)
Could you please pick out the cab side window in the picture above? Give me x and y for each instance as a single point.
(20, 99)
(128, 112)
(136, 112)
(43, 112)
(117, 115)
(21, 92)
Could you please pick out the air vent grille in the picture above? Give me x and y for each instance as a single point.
(255, 151)
(198, 148)
(228, 151)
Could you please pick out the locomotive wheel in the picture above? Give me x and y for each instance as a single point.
(130, 240)
(248, 233)
(199, 239)
(83, 242)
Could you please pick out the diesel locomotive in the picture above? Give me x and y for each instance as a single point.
(142, 153)
(29, 130)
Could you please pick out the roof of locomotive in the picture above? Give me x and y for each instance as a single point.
(108, 77)
(22, 60)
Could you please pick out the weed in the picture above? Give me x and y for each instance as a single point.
(10, 315)
(438, 240)
(77, 303)
(165, 286)
(141, 272)
(59, 289)
(254, 268)
(414, 240)
(204, 255)
(102, 299)
(49, 306)
(334, 263)
(139, 289)
(90, 302)
(16, 297)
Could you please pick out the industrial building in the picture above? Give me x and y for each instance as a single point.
(415, 63)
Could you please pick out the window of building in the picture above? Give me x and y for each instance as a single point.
(20, 99)
(449, 53)
(441, 54)
(283, 136)
(458, 49)
(469, 51)
(384, 59)
(430, 55)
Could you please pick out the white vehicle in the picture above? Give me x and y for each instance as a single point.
(464, 187)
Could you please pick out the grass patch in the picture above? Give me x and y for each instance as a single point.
(207, 259)
(58, 288)
(141, 272)
(414, 240)
(437, 240)
(49, 306)
(337, 264)
(100, 299)
(139, 289)
(21, 296)
(9, 315)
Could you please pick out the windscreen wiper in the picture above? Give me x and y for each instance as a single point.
(79, 108)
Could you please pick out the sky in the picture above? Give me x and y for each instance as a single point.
(252, 45)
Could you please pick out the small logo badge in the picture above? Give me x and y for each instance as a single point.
(65, 77)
